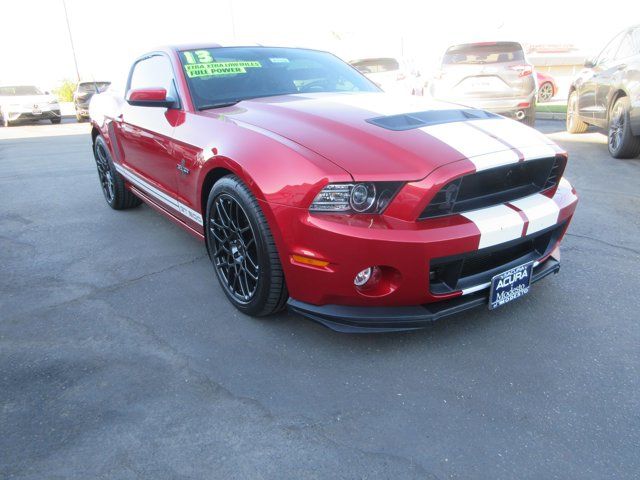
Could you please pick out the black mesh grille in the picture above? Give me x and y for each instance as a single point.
(462, 271)
(495, 186)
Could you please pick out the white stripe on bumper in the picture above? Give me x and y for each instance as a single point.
(497, 224)
(542, 212)
(158, 194)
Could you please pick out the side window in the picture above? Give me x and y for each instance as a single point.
(154, 71)
(626, 48)
(609, 52)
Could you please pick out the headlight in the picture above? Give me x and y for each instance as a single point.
(365, 197)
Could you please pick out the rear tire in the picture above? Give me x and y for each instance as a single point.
(574, 123)
(545, 92)
(242, 249)
(117, 195)
(622, 143)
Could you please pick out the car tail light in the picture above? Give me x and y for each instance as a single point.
(523, 70)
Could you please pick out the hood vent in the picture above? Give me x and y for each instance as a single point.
(408, 121)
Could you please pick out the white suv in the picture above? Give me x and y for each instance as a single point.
(26, 102)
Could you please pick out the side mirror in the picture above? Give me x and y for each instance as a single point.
(150, 97)
(590, 62)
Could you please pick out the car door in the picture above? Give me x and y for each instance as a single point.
(145, 133)
(608, 80)
(587, 104)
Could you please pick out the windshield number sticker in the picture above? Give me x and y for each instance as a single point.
(203, 56)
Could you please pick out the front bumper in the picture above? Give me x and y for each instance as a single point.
(349, 319)
(82, 109)
(44, 114)
(406, 251)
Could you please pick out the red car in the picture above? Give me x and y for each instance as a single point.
(311, 188)
(547, 87)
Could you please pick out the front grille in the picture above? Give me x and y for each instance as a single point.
(458, 272)
(495, 186)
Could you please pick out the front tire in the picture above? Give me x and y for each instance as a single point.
(242, 249)
(574, 123)
(622, 143)
(117, 195)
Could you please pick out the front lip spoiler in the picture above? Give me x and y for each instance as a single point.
(349, 319)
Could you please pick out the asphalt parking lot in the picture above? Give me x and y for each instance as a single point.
(120, 357)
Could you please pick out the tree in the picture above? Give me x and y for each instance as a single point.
(65, 91)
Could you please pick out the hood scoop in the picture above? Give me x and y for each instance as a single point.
(409, 121)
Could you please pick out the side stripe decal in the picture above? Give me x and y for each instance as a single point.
(159, 195)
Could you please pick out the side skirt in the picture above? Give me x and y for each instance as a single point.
(160, 209)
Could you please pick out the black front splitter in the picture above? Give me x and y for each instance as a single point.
(349, 319)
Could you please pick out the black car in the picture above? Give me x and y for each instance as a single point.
(82, 97)
(607, 94)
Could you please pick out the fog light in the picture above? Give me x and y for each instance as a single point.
(367, 277)
(362, 277)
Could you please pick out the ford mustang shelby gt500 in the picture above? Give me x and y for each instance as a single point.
(311, 187)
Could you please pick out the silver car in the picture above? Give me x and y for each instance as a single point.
(493, 76)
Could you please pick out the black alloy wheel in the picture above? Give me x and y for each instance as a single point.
(235, 253)
(242, 249)
(113, 185)
(105, 173)
(622, 142)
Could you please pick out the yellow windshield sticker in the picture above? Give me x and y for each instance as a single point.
(218, 68)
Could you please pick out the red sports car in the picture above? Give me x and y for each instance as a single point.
(311, 188)
(547, 87)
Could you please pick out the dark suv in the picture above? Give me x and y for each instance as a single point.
(82, 97)
(492, 76)
(607, 94)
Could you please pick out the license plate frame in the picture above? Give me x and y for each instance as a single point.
(510, 285)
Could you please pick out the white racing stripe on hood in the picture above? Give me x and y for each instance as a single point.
(530, 142)
(472, 142)
(541, 211)
(497, 224)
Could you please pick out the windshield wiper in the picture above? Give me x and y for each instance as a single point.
(218, 105)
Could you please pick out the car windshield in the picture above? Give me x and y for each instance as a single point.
(93, 87)
(20, 90)
(224, 76)
(482, 53)
(376, 65)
